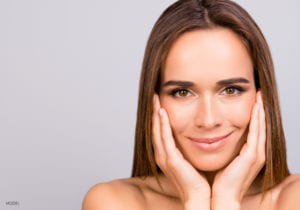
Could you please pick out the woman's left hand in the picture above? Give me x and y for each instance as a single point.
(231, 183)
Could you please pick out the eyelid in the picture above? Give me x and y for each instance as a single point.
(176, 90)
(238, 88)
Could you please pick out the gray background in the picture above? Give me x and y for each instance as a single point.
(69, 74)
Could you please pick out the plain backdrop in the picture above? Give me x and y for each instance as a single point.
(69, 73)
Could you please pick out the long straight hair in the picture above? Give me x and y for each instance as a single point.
(189, 15)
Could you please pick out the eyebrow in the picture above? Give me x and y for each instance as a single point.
(219, 83)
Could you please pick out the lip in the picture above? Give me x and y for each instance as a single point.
(211, 144)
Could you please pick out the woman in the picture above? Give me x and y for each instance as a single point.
(209, 132)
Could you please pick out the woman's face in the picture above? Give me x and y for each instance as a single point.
(208, 91)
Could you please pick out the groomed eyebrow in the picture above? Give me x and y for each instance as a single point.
(232, 81)
(178, 83)
(224, 82)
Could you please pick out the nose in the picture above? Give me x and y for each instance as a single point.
(207, 113)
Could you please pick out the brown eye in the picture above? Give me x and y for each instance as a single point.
(181, 93)
(231, 91)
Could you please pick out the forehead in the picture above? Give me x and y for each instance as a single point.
(208, 55)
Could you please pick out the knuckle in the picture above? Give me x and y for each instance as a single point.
(171, 163)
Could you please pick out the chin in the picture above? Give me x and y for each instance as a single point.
(213, 164)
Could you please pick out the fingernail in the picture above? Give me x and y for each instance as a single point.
(258, 97)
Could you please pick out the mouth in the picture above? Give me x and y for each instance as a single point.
(211, 144)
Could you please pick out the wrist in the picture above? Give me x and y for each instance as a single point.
(221, 204)
(197, 204)
(225, 200)
(193, 206)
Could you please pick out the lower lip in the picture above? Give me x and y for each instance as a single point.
(210, 147)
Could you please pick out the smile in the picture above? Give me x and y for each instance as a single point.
(211, 144)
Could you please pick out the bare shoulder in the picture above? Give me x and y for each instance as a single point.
(289, 197)
(121, 194)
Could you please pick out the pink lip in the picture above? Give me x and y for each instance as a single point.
(210, 144)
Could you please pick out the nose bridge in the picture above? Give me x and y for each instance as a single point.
(207, 112)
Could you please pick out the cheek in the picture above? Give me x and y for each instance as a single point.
(179, 116)
(239, 113)
(234, 114)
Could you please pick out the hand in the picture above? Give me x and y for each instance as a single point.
(231, 183)
(192, 186)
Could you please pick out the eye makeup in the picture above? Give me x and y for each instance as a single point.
(183, 89)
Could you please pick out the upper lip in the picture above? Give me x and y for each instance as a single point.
(210, 140)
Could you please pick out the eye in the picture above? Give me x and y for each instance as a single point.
(180, 92)
(233, 90)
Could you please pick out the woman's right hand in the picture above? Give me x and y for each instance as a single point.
(192, 186)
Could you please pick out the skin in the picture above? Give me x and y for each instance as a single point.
(204, 58)
(193, 178)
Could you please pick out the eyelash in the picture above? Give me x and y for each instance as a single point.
(239, 89)
(177, 90)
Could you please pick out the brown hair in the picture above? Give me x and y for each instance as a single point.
(189, 15)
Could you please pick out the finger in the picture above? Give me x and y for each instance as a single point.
(166, 133)
(171, 155)
(249, 150)
(156, 136)
(262, 130)
(260, 159)
(253, 130)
